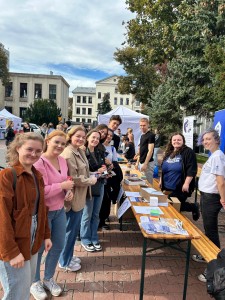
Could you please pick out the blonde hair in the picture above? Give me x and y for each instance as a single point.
(52, 135)
(129, 130)
(72, 131)
(12, 155)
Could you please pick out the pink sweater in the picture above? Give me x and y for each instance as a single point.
(54, 195)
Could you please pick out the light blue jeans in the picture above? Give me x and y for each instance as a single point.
(57, 225)
(72, 230)
(90, 219)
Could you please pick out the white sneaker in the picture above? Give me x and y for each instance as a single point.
(53, 287)
(72, 267)
(98, 247)
(76, 259)
(198, 258)
(37, 291)
(202, 277)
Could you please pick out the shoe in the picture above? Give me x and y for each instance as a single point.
(37, 291)
(89, 247)
(97, 247)
(195, 212)
(202, 277)
(52, 286)
(76, 259)
(105, 227)
(72, 267)
(198, 258)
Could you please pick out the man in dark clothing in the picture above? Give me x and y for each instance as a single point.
(129, 152)
(114, 122)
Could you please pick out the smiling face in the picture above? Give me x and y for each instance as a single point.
(114, 124)
(78, 139)
(109, 137)
(177, 142)
(30, 152)
(93, 139)
(103, 133)
(56, 145)
(209, 142)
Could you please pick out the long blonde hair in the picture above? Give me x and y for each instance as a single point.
(12, 155)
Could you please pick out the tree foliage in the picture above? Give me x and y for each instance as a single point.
(4, 72)
(105, 105)
(43, 111)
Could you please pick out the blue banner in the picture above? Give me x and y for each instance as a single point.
(219, 125)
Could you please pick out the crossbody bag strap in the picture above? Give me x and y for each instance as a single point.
(14, 178)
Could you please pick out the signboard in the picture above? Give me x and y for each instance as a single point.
(219, 125)
(188, 130)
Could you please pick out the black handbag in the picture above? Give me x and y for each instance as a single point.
(95, 189)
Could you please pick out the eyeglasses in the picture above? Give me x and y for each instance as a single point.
(32, 151)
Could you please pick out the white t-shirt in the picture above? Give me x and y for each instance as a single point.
(112, 155)
(215, 165)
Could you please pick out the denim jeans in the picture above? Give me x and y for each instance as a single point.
(210, 208)
(90, 219)
(155, 158)
(149, 171)
(72, 230)
(57, 225)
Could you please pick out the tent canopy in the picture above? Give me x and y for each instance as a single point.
(130, 119)
(5, 114)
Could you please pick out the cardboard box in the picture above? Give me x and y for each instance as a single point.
(146, 193)
(175, 202)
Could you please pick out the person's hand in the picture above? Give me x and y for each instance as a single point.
(93, 180)
(83, 148)
(67, 185)
(18, 261)
(222, 201)
(48, 245)
(185, 187)
(108, 161)
(136, 166)
(143, 168)
(69, 196)
(102, 169)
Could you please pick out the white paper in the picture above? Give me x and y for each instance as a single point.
(153, 201)
(146, 210)
(123, 208)
(132, 194)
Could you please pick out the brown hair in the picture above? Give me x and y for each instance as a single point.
(89, 133)
(101, 127)
(169, 152)
(144, 120)
(51, 135)
(72, 131)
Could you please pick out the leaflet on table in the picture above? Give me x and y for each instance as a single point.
(123, 207)
(146, 210)
(137, 199)
(132, 194)
(164, 225)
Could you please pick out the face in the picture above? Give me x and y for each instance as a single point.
(144, 127)
(209, 142)
(78, 138)
(30, 152)
(177, 141)
(93, 139)
(56, 145)
(103, 133)
(109, 137)
(25, 125)
(114, 124)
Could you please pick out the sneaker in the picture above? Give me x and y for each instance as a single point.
(195, 212)
(72, 267)
(198, 258)
(76, 259)
(53, 287)
(202, 277)
(97, 247)
(89, 247)
(37, 291)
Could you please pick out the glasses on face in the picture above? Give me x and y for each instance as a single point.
(32, 151)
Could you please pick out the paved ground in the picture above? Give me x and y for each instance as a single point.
(114, 273)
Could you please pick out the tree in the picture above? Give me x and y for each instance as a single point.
(4, 72)
(105, 106)
(70, 108)
(43, 111)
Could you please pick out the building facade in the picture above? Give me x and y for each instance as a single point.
(24, 89)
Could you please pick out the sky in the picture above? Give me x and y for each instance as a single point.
(72, 38)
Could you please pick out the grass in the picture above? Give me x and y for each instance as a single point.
(201, 159)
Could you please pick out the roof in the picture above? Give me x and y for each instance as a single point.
(84, 90)
(106, 78)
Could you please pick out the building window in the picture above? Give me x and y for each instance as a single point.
(121, 101)
(89, 111)
(83, 120)
(9, 90)
(137, 103)
(52, 91)
(22, 112)
(78, 110)
(99, 95)
(89, 120)
(37, 91)
(116, 90)
(84, 99)
(137, 110)
(9, 108)
(99, 106)
(127, 101)
(78, 100)
(83, 110)
(89, 99)
(115, 101)
(78, 120)
(23, 90)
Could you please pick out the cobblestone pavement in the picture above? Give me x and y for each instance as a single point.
(114, 273)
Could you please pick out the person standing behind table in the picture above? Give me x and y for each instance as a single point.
(158, 141)
(54, 170)
(27, 128)
(212, 188)
(144, 156)
(129, 151)
(23, 216)
(9, 133)
(114, 122)
(179, 168)
(90, 217)
(79, 171)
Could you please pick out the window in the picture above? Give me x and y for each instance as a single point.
(99, 106)
(83, 120)
(23, 90)
(89, 111)
(9, 108)
(77, 119)
(127, 101)
(99, 95)
(121, 101)
(137, 103)
(89, 99)
(9, 90)
(22, 112)
(89, 120)
(78, 110)
(115, 101)
(83, 110)
(84, 99)
(78, 100)
(37, 91)
(52, 91)
(116, 90)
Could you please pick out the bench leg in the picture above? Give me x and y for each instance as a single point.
(121, 223)
(186, 269)
(143, 268)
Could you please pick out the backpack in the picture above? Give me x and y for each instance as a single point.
(216, 276)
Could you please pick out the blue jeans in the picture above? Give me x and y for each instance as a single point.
(155, 158)
(57, 225)
(72, 230)
(90, 219)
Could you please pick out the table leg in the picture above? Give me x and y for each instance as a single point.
(121, 223)
(143, 268)
(186, 269)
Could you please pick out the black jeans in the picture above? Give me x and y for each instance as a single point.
(182, 196)
(210, 208)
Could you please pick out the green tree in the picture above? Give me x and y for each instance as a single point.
(4, 72)
(105, 106)
(70, 108)
(43, 111)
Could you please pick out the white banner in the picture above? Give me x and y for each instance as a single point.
(188, 130)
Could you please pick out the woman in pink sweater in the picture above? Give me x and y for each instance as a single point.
(57, 190)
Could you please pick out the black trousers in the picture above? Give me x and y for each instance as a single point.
(182, 196)
(106, 206)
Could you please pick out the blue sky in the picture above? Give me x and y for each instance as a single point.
(72, 38)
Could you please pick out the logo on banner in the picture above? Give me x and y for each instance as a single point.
(218, 128)
(188, 126)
